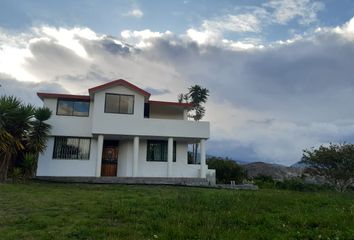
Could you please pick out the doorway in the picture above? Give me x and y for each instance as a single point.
(109, 158)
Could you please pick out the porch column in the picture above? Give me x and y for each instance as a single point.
(99, 155)
(202, 159)
(135, 156)
(169, 156)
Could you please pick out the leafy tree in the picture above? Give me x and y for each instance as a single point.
(22, 129)
(226, 170)
(334, 162)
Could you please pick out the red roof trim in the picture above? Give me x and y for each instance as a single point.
(172, 103)
(117, 83)
(65, 96)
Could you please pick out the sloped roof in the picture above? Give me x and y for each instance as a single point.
(43, 95)
(119, 82)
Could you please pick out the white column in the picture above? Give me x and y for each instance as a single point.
(202, 159)
(169, 157)
(99, 155)
(135, 156)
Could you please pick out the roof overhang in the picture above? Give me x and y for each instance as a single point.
(119, 82)
(64, 96)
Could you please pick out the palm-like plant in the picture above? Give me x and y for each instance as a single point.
(197, 96)
(38, 135)
(14, 124)
(22, 129)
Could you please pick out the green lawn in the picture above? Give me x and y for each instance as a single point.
(79, 211)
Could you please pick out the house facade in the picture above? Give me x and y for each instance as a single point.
(116, 130)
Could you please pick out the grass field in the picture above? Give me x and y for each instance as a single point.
(79, 211)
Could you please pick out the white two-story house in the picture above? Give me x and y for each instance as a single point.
(117, 130)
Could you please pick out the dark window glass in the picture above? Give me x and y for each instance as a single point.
(81, 108)
(146, 110)
(117, 103)
(71, 148)
(112, 103)
(73, 108)
(126, 104)
(65, 107)
(157, 150)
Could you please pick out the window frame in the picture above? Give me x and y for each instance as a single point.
(118, 94)
(174, 153)
(73, 100)
(74, 159)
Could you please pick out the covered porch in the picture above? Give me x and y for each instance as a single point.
(130, 159)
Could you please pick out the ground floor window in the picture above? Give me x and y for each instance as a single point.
(157, 150)
(71, 148)
(193, 154)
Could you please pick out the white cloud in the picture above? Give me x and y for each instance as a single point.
(271, 102)
(142, 38)
(233, 23)
(137, 13)
(252, 19)
(286, 10)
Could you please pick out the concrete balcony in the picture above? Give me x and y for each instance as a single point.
(151, 127)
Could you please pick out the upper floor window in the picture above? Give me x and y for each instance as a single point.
(119, 103)
(73, 108)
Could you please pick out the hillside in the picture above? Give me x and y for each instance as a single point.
(277, 172)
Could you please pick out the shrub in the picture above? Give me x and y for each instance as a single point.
(226, 170)
(298, 184)
(16, 175)
(263, 181)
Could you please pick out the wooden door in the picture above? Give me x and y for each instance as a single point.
(109, 161)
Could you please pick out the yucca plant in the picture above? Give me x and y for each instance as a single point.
(37, 137)
(28, 165)
(14, 123)
(22, 129)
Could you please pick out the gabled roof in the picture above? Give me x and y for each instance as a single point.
(119, 82)
(66, 96)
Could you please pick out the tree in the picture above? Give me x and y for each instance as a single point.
(334, 162)
(15, 122)
(20, 126)
(197, 96)
(227, 170)
(37, 137)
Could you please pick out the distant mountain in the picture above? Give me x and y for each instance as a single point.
(276, 171)
(299, 165)
(226, 158)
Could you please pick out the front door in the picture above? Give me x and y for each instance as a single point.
(109, 161)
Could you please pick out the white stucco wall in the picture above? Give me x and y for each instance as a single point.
(180, 168)
(47, 166)
(68, 125)
(100, 117)
(55, 167)
(111, 124)
(136, 125)
(125, 158)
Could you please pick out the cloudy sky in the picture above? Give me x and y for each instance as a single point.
(280, 72)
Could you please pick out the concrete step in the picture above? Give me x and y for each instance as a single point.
(129, 180)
